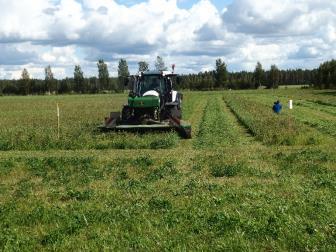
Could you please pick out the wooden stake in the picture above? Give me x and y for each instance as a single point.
(58, 122)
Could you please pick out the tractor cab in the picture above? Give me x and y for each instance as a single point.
(149, 83)
(153, 83)
(152, 104)
(152, 96)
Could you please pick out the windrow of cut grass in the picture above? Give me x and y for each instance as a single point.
(268, 127)
(217, 127)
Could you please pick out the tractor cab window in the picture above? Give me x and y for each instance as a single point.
(150, 83)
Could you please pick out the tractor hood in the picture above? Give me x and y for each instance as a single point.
(149, 101)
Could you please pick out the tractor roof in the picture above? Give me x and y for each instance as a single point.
(151, 73)
(161, 73)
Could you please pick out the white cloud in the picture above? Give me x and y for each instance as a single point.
(22, 20)
(64, 55)
(67, 21)
(68, 32)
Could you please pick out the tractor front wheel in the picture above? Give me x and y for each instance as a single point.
(126, 114)
(176, 112)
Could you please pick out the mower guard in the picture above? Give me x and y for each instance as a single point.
(114, 123)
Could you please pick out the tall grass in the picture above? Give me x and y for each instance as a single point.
(30, 123)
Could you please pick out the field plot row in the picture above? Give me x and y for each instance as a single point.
(327, 98)
(322, 97)
(30, 123)
(262, 200)
(319, 116)
(327, 109)
(269, 127)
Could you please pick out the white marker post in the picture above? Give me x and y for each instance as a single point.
(290, 104)
(58, 122)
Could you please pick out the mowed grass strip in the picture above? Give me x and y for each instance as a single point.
(268, 127)
(217, 128)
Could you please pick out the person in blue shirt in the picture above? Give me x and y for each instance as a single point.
(277, 107)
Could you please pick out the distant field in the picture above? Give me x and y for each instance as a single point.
(248, 180)
(293, 86)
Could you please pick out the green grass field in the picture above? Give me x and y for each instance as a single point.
(248, 180)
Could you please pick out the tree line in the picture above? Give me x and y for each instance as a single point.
(219, 78)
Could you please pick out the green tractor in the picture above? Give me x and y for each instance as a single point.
(152, 105)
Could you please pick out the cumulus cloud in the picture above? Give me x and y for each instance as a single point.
(285, 32)
(279, 17)
(63, 33)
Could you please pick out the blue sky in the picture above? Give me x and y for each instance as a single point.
(185, 4)
(190, 34)
(220, 4)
